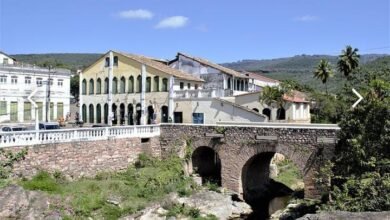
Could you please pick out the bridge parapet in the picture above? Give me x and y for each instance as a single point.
(26, 138)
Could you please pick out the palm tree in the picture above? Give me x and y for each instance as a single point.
(323, 72)
(275, 95)
(348, 60)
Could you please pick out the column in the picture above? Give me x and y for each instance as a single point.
(143, 88)
(110, 77)
(234, 83)
(170, 99)
(224, 81)
(81, 96)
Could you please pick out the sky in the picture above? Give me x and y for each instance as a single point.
(218, 30)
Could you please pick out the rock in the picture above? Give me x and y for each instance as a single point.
(239, 209)
(17, 203)
(273, 170)
(339, 215)
(277, 158)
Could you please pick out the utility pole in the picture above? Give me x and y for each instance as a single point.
(48, 96)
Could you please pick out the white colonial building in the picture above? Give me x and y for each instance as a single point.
(18, 81)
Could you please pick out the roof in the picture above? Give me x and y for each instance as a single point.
(260, 77)
(157, 64)
(296, 96)
(214, 65)
(7, 55)
(241, 107)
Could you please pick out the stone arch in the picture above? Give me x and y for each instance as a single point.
(91, 115)
(281, 114)
(122, 113)
(267, 112)
(207, 163)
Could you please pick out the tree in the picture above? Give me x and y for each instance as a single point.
(323, 72)
(74, 86)
(348, 60)
(275, 94)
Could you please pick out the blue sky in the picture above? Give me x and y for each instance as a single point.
(221, 31)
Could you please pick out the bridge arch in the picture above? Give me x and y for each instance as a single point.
(207, 164)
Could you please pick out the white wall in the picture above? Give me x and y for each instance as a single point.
(10, 60)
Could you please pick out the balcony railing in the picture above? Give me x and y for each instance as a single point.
(25, 138)
(202, 93)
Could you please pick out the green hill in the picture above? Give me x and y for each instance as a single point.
(299, 68)
(72, 61)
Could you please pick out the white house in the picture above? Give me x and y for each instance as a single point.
(18, 81)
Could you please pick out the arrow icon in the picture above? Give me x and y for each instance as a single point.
(358, 95)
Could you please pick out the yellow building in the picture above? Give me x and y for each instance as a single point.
(136, 89)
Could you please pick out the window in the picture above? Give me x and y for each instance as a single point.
(106, 85)
(197, 118)
(196, 86)
(98, 86)
(189, 85)
(27, 80)
(39, 81)
(122, 87)
(5, 60)
(139, 84)
(83, 87)
(107, 62)
(91, 86)
(14, 112)
(3, 108)
(14, 80)
(27, 111)
(60, 82)
(51, 82)
(148, 82)
(131, 84)
(165, 85)
(181, 85)
(3, 79)
(156, 84)
(115, 86)
(115, 61)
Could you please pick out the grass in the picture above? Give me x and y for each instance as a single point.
(112, 195)
(289, 174)
(180, 210)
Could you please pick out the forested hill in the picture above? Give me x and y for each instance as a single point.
(72, 61)
(300, 68)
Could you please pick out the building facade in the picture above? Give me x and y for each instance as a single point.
(50, 90)
(121, 88)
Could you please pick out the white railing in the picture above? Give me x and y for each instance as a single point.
(201, 93)
(23, 138)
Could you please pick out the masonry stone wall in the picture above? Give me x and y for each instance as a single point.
(84, 158)
(239, 144)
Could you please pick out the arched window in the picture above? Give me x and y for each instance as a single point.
(84, 87)
(148, 84)
(164, 114)
(267, 112)
(139, 84)
(91, 87)
(106, 85)
(91, 117)
(114, 85)
(130, 116)
(106, 113)
(281, 114)
(164, 85)
(122, 87)
(98, 86)
(84, 113)
(98, 113)
(131, 84)
(156, 84)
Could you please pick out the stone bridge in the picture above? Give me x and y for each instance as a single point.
(239, 156)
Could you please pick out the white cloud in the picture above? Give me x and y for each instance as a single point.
(136, 14)
(173, 22)
(306, 18)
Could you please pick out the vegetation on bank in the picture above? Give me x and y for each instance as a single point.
(289, 175)
(112, 195)
(7, 161)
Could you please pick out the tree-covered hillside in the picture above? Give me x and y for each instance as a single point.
(299, 68)
(72, 61)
